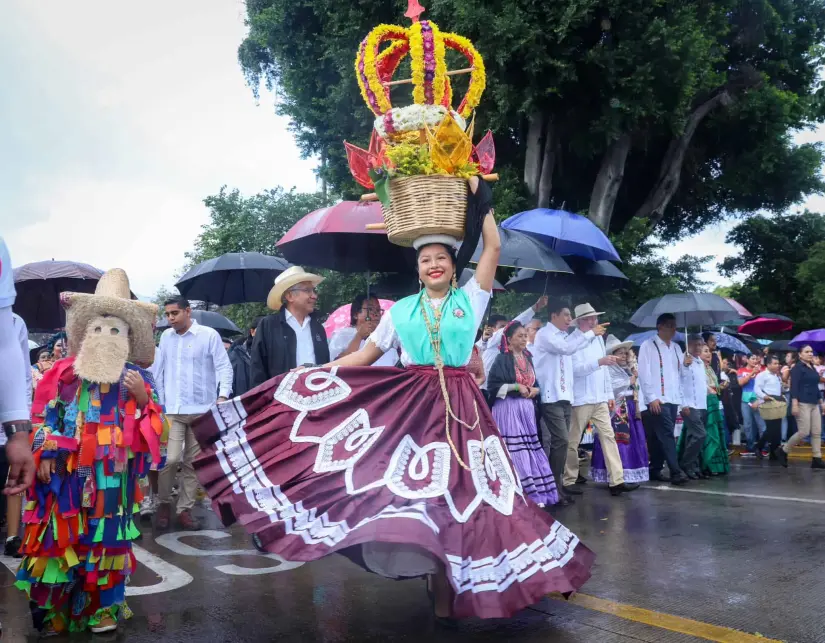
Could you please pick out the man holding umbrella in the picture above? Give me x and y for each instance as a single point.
(593, 402)
(291, 337)
(660, 366)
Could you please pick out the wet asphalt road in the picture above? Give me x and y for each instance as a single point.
(749, 563)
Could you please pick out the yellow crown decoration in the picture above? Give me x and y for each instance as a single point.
(426, 45)
(420, 155)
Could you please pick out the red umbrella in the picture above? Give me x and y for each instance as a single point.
(765, 326)
(337, 238)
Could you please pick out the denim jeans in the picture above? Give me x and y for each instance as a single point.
(754, 425)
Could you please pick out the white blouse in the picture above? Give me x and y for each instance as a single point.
(385, 336)
(342, 337)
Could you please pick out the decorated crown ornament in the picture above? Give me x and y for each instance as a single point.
(426, 45)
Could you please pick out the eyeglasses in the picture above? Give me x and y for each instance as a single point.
(309, 291)
(372, 312)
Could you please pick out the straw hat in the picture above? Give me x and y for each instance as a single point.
(585, 310)
(613, 344)
(112, 296)
(287, 279)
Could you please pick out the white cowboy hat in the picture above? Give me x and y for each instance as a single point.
(585, 310)
(613, 344)
(287, 279)
(113, 297)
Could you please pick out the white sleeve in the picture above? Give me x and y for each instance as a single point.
(384, 336)
(549, 342)
(223, 367)
(647, 383)
(759, 386)
(158, 368)
(23, 338)
(524, 318)
(478, 300)
(14, 398)
(339, 341)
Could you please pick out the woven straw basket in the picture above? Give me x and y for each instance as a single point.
(773, 410)
(422, 205)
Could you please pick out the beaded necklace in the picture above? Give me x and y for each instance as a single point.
(434, 333)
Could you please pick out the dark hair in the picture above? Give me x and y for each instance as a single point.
(773, 357)
(356, 306)
(664, 318)
(707, 335)
(555, 305)
(492, 320)
(254, 324)
(178, 300)
(43, 351)
(512, 328)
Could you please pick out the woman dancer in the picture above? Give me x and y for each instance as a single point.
(402, 470)
(626, 420)
(714, 452)
(513, 383)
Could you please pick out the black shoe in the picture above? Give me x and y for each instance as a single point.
(758, 453)
(630, 486)
(256, 543)
(692, 475)
(581, 480)
(782, 456)
(12, 547)
(705, 476)
(564, 501)
(679, 480)
(617, 490)
(816, 463)
(572, 491)
(658, 477)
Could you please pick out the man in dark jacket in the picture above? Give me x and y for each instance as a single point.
(290, 337)
(241, 359)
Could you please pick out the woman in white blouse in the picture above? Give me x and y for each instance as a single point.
(365, 313)
(402, 470)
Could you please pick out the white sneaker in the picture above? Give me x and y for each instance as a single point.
(147, 506)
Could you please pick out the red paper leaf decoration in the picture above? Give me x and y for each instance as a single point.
(485, 153)
(359, 165)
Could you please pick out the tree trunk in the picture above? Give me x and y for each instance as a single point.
(670, 172)
(533, 159)
(608, 181)
(548, 165)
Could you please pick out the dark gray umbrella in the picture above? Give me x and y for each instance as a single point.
(519, 250)
(233, 278)
(223, 325)
(782, 346)
(690, 309)
(39, 286)
(591, 277)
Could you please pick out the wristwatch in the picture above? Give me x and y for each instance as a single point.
(21, 426)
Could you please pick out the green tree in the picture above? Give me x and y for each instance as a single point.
(776, 263)
(810, 275)
(255, 224)
(677, 112)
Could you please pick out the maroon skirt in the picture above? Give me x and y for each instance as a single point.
(322, 461)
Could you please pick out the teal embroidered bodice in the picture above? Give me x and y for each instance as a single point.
(458, 329)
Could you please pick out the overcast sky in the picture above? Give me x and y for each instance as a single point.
(119, 118)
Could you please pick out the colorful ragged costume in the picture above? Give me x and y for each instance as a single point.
(79, 526)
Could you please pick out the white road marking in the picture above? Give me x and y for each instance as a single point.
(810, 501)
(172, 541)
(171, 577)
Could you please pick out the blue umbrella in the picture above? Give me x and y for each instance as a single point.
(728, 342)
(565, 232)
(639, 338)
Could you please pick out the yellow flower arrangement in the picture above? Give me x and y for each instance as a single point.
(366, 70)
(478, 77)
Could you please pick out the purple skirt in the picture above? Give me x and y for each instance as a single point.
(635, 460)
(516, 420)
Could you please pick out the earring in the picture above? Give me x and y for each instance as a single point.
(420, 285)
(455, 281)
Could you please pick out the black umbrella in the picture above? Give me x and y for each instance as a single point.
(590, 277)
(223, 325)
(519, 250)
(782, 346)
(39, 286)
(400, 285)
(233, 278)
(690, 309)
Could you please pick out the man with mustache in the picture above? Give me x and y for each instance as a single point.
(97, 427)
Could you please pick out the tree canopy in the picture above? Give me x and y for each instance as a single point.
(781, 259)
(675, 112)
